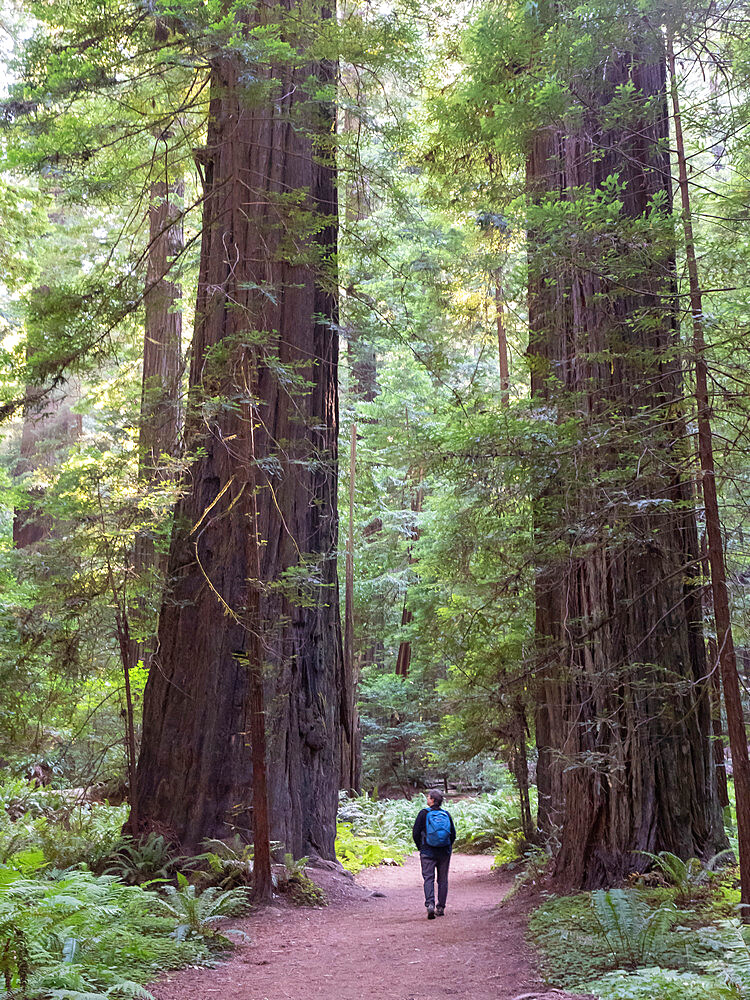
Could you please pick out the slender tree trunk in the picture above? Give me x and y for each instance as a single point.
(718, 728)
(623, 710)
(502, 341)
(262, 879)
(714, 670)
(403, 658)
(50, 428)
(265, 336)
(521, 771)
(722, 614)
(160, 385)
(162, 359)
(350, 742)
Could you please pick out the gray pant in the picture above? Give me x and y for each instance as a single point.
(439, 862)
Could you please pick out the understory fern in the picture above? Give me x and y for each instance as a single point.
(198, 913)
(81, 936)
(630, 944)
(633, 933)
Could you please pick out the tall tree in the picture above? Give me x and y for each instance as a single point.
(623, 721)
(263, 412)
(725, 651)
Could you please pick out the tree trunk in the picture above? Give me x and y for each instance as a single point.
(502, 341)
(623, 717)
(264, 360)
(162, 361)
(403, 658)
(160, 384)
(722, 616)
(50, 427)
(351, 756)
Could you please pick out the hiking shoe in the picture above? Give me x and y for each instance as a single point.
(439, 911)
(430, 912)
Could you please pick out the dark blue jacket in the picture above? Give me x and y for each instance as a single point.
(420, 829)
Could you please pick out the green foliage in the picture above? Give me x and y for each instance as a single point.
(138, 861)
(67, 830)
(358, 851)
(198, 913)
(293, 881)
(621, 944)
(691, 877)
(229, 863)
(634, 932)
(666, 984)
(76, 933)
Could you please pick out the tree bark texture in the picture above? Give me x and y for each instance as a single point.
(623, 719)
(162, 346)
(263, 407)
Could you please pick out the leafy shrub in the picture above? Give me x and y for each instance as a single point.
(356, 852)
(293, 881)
(227, 864)
(198, 913)
(694, 963)
(139, 861)
(67, 830)
(664, 984)
(691, 878)
(633, 932)
(78, 935)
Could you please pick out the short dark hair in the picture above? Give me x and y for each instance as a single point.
(436, 796)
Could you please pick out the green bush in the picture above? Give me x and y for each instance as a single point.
(137, 862)
(68, 831)
(484, 823)
(356, 852)
(661, 984)
(198, 913)
(627, 945)
(292, 880)
(79, 934)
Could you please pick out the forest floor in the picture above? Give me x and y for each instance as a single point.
(380, 947)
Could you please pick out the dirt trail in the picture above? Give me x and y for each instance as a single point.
(365, 947)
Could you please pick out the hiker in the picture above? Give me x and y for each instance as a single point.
(434, 834)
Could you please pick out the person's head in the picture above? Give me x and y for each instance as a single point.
(434, 798)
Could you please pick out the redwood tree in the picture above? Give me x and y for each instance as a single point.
(623, 720)
(263, 422)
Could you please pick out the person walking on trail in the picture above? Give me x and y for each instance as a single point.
(434, 834)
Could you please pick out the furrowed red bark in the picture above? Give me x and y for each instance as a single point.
(722, 614)
(623, 710)
(264, 359)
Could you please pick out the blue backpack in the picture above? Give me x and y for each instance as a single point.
(437, 828)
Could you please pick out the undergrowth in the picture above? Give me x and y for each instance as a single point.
(637, 944)
(372, 831)
(86, 913)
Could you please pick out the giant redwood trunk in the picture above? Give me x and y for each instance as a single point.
(623, 720)
(263, 411)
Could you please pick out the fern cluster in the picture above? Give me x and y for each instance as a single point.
(372, 829)
(627, 944)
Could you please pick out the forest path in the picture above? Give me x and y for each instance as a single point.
(367, 947)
